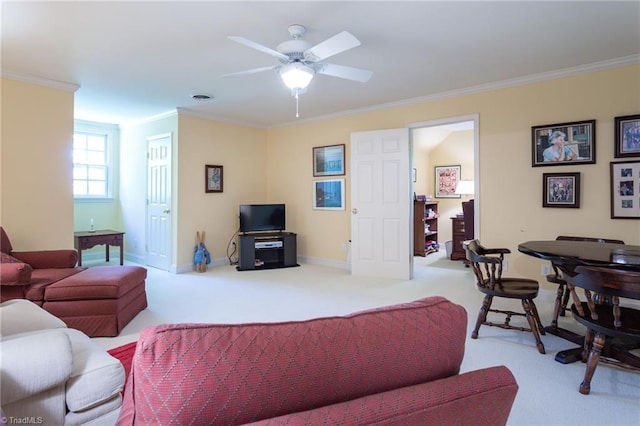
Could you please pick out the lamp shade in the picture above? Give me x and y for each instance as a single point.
(296, 75)
(465, 187)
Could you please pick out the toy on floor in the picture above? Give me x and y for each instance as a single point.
(201, 256)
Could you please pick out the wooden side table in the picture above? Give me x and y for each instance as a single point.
(86, 240)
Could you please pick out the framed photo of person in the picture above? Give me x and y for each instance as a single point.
(563, 144)
(625, 190)
(561, 190)
(627, 136)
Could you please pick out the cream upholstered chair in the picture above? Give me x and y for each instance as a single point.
(53, 374)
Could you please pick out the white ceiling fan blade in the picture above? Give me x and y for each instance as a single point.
(258, 46)
(252, 71)
(332, 46)
(350, 73)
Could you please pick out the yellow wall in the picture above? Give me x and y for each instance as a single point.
(242, 152)
(36, 206)
(274, 165)
(510, 199)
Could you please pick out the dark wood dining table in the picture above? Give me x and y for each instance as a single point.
(567, 255)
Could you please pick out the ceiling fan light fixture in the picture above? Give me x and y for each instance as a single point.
(296, 75)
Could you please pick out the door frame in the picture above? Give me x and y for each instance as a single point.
(475, 118)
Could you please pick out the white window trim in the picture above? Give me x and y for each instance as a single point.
(111, 132)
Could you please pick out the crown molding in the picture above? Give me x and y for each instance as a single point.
(32, 79)
(533, 78)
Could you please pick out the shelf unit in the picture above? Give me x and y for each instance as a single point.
(425, 227)
(253, 256)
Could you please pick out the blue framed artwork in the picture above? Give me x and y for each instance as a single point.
(328, 194)
(328, 160)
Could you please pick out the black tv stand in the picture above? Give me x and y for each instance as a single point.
(267, 250)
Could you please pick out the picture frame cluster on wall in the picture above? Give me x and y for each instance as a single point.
(329, 194)
(574, 143)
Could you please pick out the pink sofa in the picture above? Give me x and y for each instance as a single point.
(98, 301)
(396, 365)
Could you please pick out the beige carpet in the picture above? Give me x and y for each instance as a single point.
(548, 393)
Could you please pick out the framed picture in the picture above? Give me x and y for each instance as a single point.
(328, 194)
(627, 136)
(328, 160)
(212, 178)
(563, 144)
(561, 190)
(625, 190)
(446, 180)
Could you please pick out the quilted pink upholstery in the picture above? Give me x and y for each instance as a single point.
(236, 374)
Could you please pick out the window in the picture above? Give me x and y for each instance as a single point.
(91, 168)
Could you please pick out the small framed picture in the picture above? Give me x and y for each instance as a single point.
(627, 136)
(625, 190)
(213, 178)
(446, 181)
(563, 144)
(328, 160)
(561, 190)
(328, 194)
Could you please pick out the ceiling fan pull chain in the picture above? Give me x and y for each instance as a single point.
(297, 114)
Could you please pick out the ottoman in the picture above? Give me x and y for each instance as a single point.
(99, 301)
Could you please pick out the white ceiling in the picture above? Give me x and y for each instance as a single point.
(137, 60)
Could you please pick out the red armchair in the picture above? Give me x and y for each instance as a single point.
(24, 274)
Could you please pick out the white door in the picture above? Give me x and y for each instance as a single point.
(159, 201)
(380, 204)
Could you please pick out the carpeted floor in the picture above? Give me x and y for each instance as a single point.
(548, 393)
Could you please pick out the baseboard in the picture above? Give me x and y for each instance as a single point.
(223, 261)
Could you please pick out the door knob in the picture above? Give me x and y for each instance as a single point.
(354, 211)
(166, 211)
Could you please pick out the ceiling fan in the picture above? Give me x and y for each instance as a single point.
(300, 60)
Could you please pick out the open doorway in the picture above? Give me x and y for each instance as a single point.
(435, 145)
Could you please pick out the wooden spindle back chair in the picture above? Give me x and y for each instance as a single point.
(604, 317)
(487, 265)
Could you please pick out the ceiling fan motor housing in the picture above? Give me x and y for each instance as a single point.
(294, 49)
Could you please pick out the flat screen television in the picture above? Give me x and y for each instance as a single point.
(262, 217)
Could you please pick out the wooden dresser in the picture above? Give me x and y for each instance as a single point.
(457, 233)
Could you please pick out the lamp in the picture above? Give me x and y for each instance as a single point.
(465, 187)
